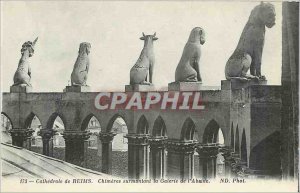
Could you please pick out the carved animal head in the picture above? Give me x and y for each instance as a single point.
(149, 37)
(29, 46)
(263, 14)
(197, 35)
(84, 47)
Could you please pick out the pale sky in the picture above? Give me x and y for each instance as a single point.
(114, 27)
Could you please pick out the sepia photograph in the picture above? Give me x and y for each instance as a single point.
(149, 96)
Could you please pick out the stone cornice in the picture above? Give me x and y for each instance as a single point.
(137, 139)
(47, 133)
(208, 150)
(76, 135)
(106, 137)
(157, 142)
(22, 133)
(181, 147)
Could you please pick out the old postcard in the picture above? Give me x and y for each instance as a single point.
(149, 96)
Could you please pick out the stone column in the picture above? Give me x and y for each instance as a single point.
(106, 141)
(47, 137)
(235, 164)
(207, 160)
(227, 154)
(138, 156)
(157, 152)
(76, 147)
(180, 161)
(21, 137)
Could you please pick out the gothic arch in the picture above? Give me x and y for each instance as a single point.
(237, 140)
(52, 118)
(29, 120)
(112, 120)
(3, 113)
(159, 127)
(232, 137)
(211, 132)
(188, 130)
(244, 147)
(86, 121)
(142, 125)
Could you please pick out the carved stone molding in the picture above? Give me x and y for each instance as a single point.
(21, 133)
(47, 133)
(226, 153)
(106, 137)
(208, 150)
(157, 142)
(181, 147)
(76, 135)
(138, 139)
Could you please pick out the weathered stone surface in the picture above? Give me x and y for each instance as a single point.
(188, 67)
(248, 53)
(144, 65)
(239, 84)
(139, 88)
(81, 67)
(20, 89)
(23, 73)
(76, 88)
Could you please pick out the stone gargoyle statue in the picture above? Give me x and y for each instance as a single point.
(81, 67)
(188, 67)
(248, 52)
(144, 65)
(23, 73)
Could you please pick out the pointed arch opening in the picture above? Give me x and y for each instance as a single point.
(188, 130)
(159, 127)
(142, 125)
(6, 126)
(33, 122)
(213, 133)
(244, 147)
(56, 123)
(237, 141)
(94, 151)
(118, 125)
(232, 136)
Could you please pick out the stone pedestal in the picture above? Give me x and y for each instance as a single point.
(21, 137)
(157, 153)
(47, 137)
(180, 161)
(138, 156)
(239, 84)
(106, 141)
(207, 160)
(77, 88)
(76, 147)
(20, 89)
(139, 88)
(186, 86)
